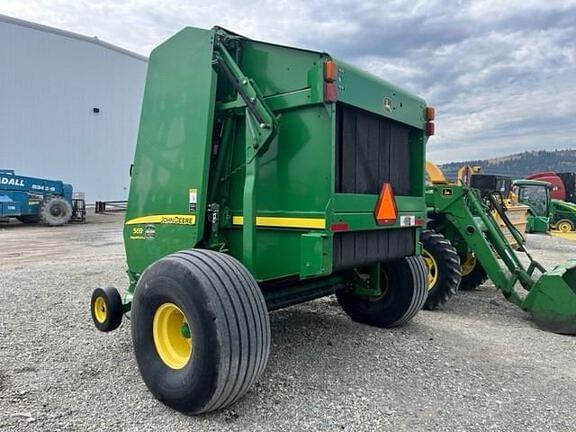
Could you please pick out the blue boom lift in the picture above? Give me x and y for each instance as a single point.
(34, 200)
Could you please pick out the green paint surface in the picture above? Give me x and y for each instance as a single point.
(194, 134)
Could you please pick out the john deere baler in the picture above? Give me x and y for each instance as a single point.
(264, 176)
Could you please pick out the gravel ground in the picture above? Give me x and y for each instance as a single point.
(477, 365)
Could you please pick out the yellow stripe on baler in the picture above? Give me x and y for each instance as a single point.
(284, 222)
(170, 219)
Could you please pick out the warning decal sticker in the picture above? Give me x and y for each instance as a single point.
(192, 199)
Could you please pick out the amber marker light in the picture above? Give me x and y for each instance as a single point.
(330, 71)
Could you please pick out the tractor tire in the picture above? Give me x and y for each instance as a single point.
(565, 225)
(55, 211)
(473, 274)
(106, 308)
(29, 219)
(404, 291)
(200, 330)
(443, 268)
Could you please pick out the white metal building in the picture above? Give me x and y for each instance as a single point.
(69, 107)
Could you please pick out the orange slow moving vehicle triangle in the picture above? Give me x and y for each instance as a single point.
(385, 211)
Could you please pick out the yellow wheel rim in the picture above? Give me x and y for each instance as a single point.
(564, 227)
(432, 268)
(100, 309)
(468, 264)
(172, 336)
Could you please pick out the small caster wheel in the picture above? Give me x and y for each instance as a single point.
(106, 308)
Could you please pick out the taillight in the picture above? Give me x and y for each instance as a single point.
(330, 71)
(339, 227)
(330, 93)
(330, 78)
(430, 115)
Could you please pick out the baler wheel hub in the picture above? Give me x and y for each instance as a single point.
(100, 309)
(172, 336)
(106, 308)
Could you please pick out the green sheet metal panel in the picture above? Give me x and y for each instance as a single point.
(294, 180)
(363, 90)
(166, 206)
(295, 176)
(301, 152)
(278, 69)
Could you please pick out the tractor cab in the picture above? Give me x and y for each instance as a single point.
(536, 195)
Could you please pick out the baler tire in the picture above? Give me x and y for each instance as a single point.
(225, 315)
(106, 309)
(404, 288)
(63, 211)
(473, 279)
(444, 283)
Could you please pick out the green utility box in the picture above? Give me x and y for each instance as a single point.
(264, 176)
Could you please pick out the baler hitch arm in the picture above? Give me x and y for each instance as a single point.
(261, 129)
(263, 123)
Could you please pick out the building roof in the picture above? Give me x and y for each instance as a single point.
(72, 35)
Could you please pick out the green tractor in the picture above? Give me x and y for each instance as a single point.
(536, 195)
(264, 176)
(461, 218)
(457, 268)
(545, 213)
(562, 215)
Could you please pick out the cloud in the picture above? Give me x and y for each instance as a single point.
(501, 74)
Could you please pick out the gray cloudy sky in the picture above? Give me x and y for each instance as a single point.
(502, 73)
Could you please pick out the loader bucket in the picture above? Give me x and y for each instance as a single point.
(552, 300)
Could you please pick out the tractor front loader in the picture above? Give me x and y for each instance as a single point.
(451, 264)
(462, 215)
(264, 176)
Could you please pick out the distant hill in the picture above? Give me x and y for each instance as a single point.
(520, 164)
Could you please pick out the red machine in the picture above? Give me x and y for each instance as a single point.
(563, 184)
